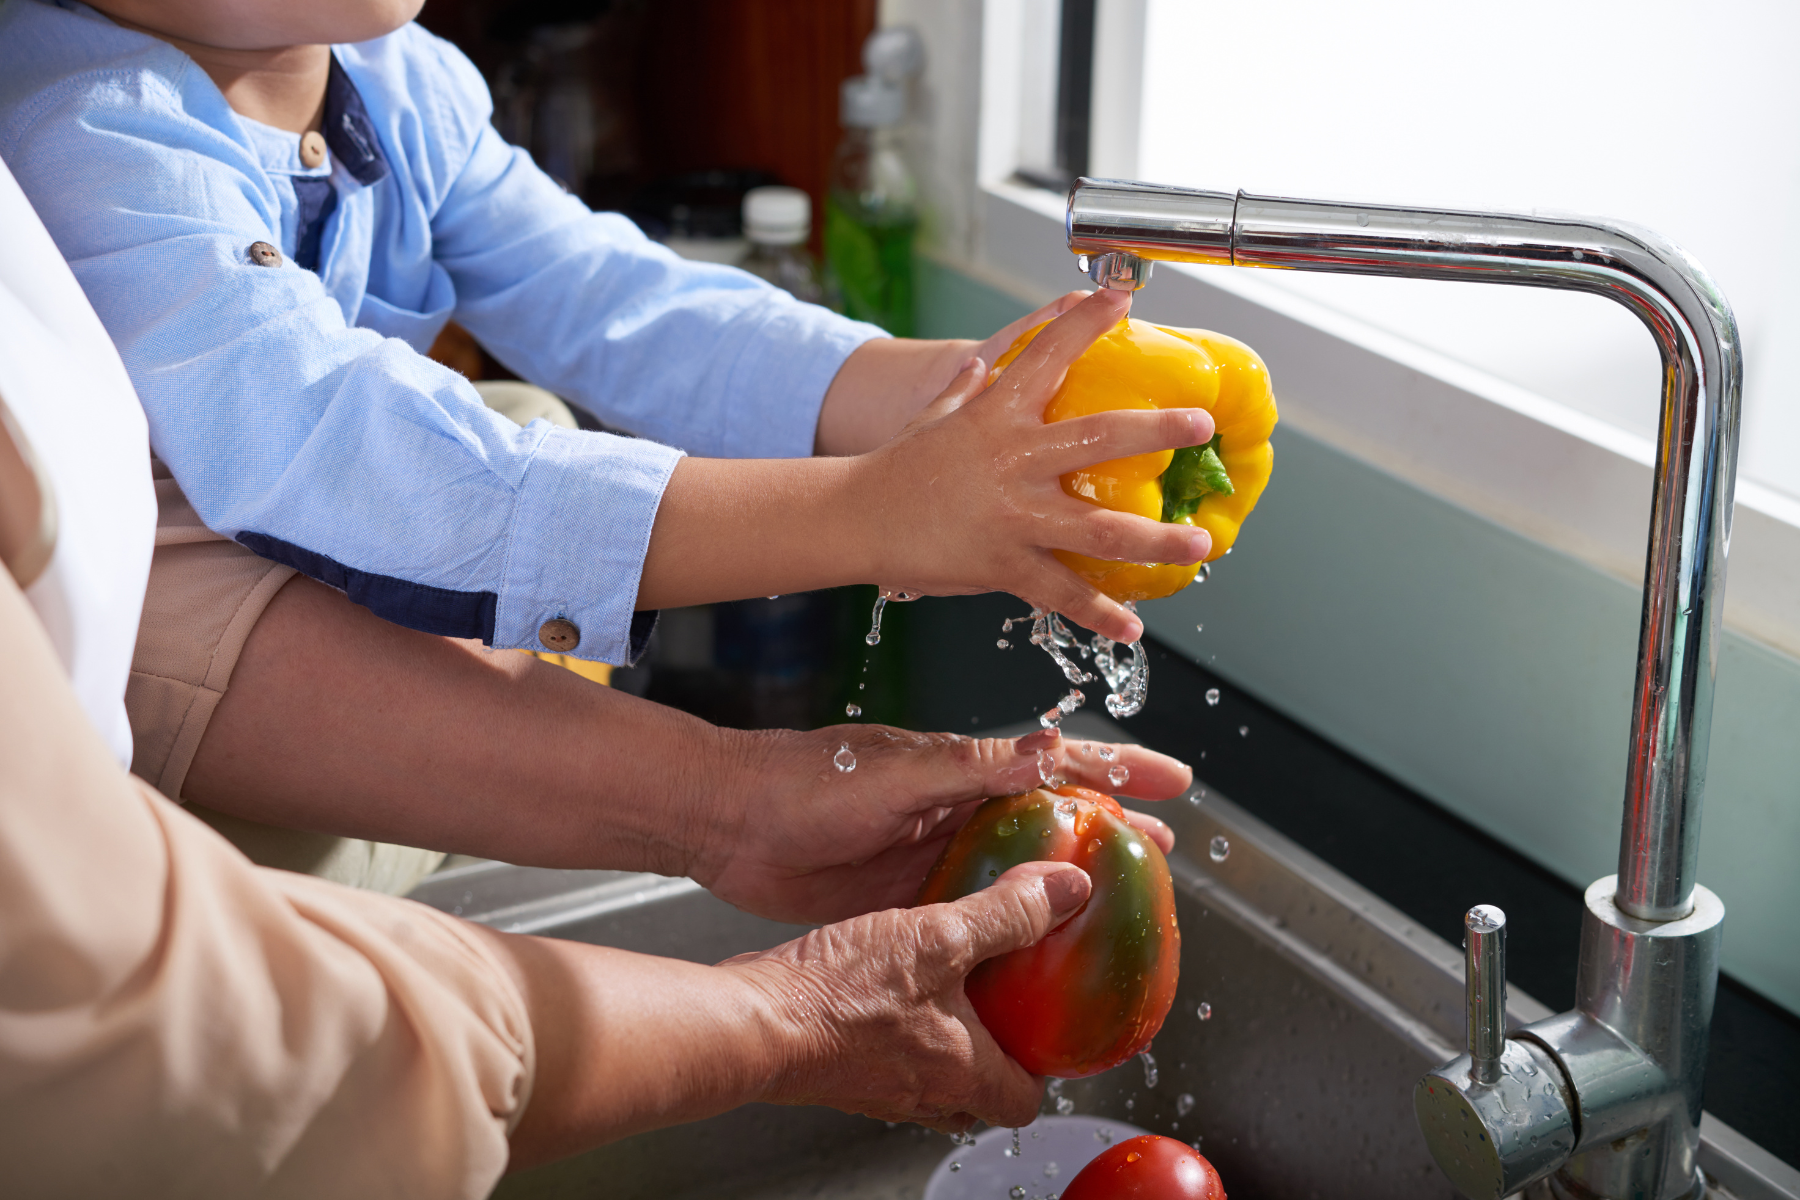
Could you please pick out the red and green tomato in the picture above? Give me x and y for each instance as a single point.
(1093, 992)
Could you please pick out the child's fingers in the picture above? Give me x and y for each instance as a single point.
(1037, 372)
(1125, 537)
(1002, 341)
(965, 387)
(1100, 437)
(1061, 590)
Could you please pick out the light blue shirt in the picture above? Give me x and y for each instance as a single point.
(296, 408)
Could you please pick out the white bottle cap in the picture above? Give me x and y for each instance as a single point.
(777, 216)
(871, 102)
(896, 53)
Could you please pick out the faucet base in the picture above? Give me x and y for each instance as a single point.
(1556, 1188)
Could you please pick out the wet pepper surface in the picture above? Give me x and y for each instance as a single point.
(1095, 991)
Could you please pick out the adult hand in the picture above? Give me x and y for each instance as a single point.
(793, 838)
(878, 1022)
(968, 497)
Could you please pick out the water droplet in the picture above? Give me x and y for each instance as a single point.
(1046, 765)
(1199, 629)
(1130, 1104)
(1205, 572)
(1107, 754)
(1204, 1012)
(1017, 1192)
(962, 1139)
(853, 710)
(1362, 218)
(1150, 1074)
(1132, 1156)
(1184, 1104)
(844, 760)
(1003, 644)
(1051, 1170)
(956, 1166)
(1118, 775)
(861, 686)
(1064, 1105)
(1243, 731)
(1220, 848)
(1103, 1136)
(1093, 845)
(874, 637)
(1212, 697)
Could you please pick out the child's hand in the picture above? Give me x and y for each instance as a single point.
(967, 498)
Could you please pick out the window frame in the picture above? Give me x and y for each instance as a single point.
(1548, 472)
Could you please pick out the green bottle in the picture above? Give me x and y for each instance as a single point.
(872, 207)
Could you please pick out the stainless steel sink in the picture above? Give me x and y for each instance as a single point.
(1326, 1006)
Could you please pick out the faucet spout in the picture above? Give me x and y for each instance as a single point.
(1696, 336)
(1653, 904)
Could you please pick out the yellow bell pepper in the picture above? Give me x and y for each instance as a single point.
(1140, 365)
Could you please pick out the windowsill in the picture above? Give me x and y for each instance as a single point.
(1537, 467)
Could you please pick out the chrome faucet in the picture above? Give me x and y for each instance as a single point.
(1603, 1101)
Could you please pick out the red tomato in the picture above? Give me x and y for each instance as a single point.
(1095, 991)
(1147, 1168)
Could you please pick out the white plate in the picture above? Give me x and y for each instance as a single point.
(1051, 1151)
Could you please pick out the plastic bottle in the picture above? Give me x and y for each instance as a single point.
(778, 220)
(872, 207)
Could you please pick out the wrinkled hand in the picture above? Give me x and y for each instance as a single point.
(967, 497)
(799, 840)
(873, 1014)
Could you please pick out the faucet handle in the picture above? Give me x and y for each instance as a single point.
(1484, 947)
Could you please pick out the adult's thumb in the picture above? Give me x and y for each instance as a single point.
(1019, 908)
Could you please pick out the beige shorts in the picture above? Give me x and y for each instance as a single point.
(206, 594)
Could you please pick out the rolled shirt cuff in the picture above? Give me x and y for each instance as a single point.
(575, 555)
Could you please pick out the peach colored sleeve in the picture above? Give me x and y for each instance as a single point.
(176, 1021)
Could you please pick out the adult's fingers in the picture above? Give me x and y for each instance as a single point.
(1002, 340)
(1083, 441)
(1152, 828)
(1147, 774)
(1014, 911)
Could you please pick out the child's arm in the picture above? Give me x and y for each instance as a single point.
(966, 499)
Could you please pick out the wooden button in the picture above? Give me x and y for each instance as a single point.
(312, 149)
(559, 635)
(264, 255)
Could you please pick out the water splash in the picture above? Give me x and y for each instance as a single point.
(1064, 1106)
(853, 710)
(844, 760)
(1212, 697)
(1184, 1104)
(1204, 1012)
(1219, 849)
(1150, 1074)
(1118, 775)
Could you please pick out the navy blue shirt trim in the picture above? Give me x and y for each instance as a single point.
(349, 132)
(316, 200)
(415, 605)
